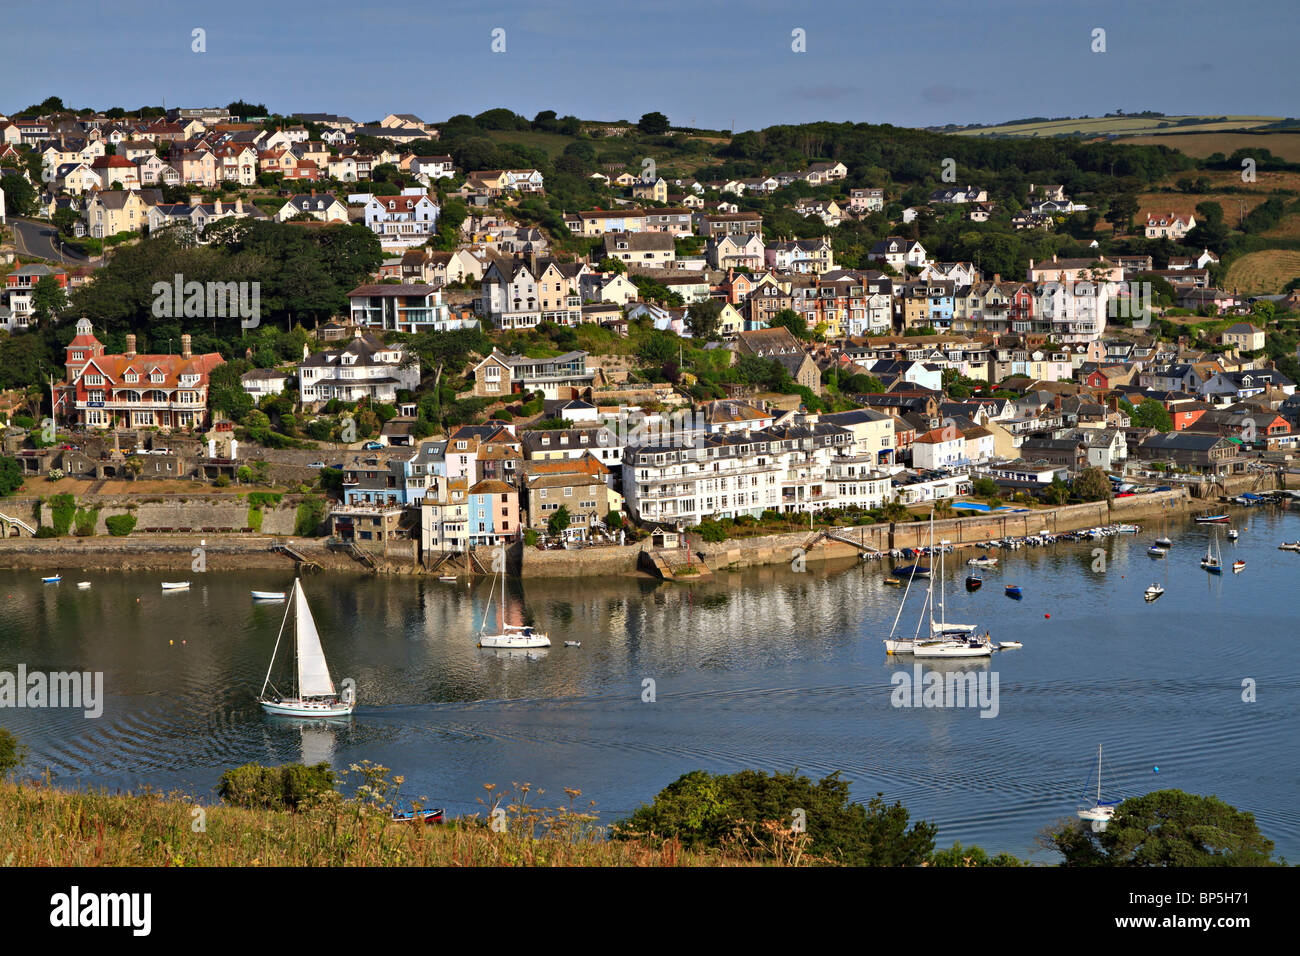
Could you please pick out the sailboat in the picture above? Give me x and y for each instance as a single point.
(949, 640)
(1101, 812)
(1164, 541)
(1212, 562)
(512, 636)
(312, 693)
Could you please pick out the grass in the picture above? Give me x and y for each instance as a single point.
(1264, 272)
(1104, 125)
(1203, 144)
(44, 826)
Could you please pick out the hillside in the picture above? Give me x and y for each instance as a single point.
(1116, 125)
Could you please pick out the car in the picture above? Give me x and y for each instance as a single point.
(372, 446)
(316, 464)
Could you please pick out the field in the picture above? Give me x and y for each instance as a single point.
(555, 143)
(1199, 145)
(1264, 272)
(1107, 125)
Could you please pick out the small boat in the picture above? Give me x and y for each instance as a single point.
(1127, 529)
(176, 585)
(1165, 543)
(973, 583)
(894, 582)
(1211, 519)
(1289, 546)
(510, 636)
(1233, 534)
(984, 561)
(912, 570)
(1013, 591)
(1009, 645)
(1212, 562)
(573, 643)
(447, 577)
(420, 816)
(1153, 592)
(83, 585)
(1238, 567)
(1157, 551)
(268, 595)
(52, 579)
(311, 692)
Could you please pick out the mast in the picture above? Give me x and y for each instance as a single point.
(287, 611)
(1098, 773)
(297, 664)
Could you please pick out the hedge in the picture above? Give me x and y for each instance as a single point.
(120, 525)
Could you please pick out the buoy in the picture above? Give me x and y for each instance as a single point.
(1155, 769)
(171, 642)
(1048, 616)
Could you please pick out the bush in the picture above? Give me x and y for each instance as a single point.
(530, 538)
(63, 508)
(310, 517)
(12, 753)
(120, 525)
(222, 481)
(712, 531)
(85, 522)
(45, 531)
(287, 787)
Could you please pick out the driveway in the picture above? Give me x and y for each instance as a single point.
(41, 239)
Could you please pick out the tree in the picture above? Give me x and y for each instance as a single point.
(1167, 828)
(20, 195)
(47, 298)
(1150, 414)
(702, 318)
(559, 521)
(653, 124)
(706, 810)
(792, 320)
(12, 753)
(610, 264)
(1092, 485)
(1122, 210)
(1057, 493)
(984, 488)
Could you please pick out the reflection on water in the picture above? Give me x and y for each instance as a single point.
(766, 668)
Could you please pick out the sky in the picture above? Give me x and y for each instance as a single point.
(704, 63)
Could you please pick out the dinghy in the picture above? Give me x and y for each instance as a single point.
(429, 817)
(974, 584)
(1238, 567)
(53, 579)
(83, 585)
(1009, 645)
(1156, 551)
(268, 595)
(1013, 591)
(176, 585)
(573, 643)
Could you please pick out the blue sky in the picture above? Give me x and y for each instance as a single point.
(703, 62)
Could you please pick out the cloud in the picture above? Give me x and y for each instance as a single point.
(827, 91)
(943, 93)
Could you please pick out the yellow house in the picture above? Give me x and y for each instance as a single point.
(657, 190)
(730, 320)
(112, 211)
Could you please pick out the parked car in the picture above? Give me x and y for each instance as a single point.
(372, 446)
(316, 464)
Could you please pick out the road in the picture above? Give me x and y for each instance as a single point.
(35, 238)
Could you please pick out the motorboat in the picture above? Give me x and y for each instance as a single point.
(573, 643)
(1153, 592)
(1156, 551)
(912, 570)
(1238, 567)
(1233, 534)
(1211, 519)
(1009, 645)
(973, 583)
(983, 561)
(52, 579)
(1013, 591)
(1284, 546)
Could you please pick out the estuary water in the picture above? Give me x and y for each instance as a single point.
(770, 669)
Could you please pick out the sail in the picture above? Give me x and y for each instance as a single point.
(313, 672)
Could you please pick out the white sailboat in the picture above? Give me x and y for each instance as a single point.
(1212, 561)
(511, 636)
(312, 693)
(1101, 812)
(949, 640)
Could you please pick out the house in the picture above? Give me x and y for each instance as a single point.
(863, 201)
(116, 171)
(564, 376)
(656, 190)
(261, 382)
(404, 307)
(586, 498)
(738, 251)
(324, 207)
(779, 344)
(113, 211)
(433, 167)
(402, 221)
(899, 253)
(364, 368)
(652, 250)
(132, 390)
(1199, 452)
(959, 194)
(1244, 337)
(939, 448)
(729, 224)
(800, 256)
(1168, 225)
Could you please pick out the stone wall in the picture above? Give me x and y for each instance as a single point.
(172, 511)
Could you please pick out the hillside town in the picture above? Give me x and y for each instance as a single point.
(492, 369)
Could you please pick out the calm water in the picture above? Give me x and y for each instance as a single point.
(766, 669)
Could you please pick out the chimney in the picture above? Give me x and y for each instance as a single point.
(216, 208)
(1053, 256)
(239, 205)
(997, 277)
(185, 346)
(1056, 402)
(130, 346)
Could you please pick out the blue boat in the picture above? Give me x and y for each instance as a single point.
(913, 570)
(1013, 591)
(55, 579)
